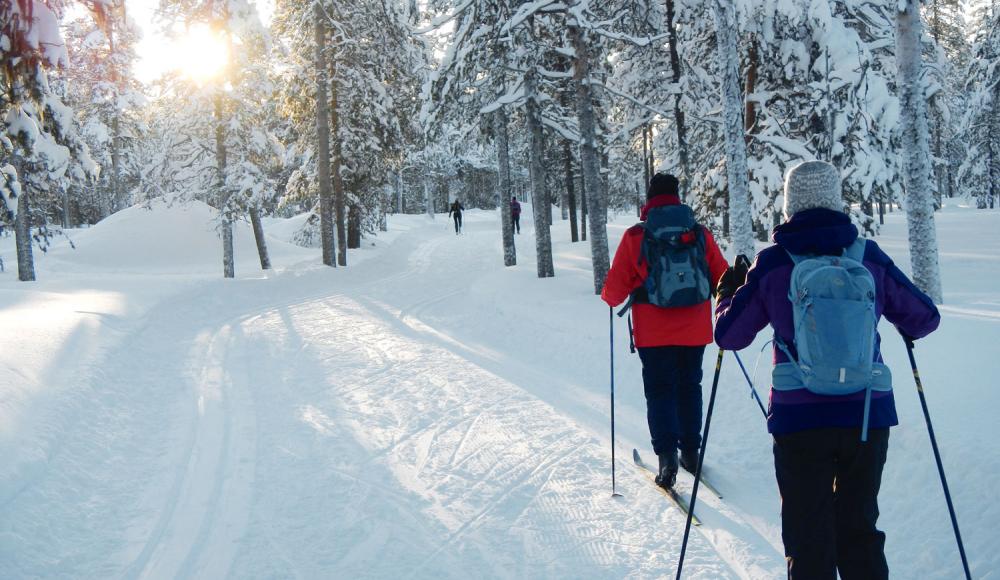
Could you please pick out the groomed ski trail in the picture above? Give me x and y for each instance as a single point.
(313, 425)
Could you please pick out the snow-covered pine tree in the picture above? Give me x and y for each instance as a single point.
(107, 100)
(979, 173)
(377, 76)
(39, 133)
(916, 152)
(948, 55)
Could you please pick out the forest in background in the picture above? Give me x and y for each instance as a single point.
(358, 109)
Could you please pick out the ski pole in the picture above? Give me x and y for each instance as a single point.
(701, 461)
(611, 333)
(753, 391)
(937, 456)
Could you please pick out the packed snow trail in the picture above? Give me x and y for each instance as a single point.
(310, 425)
(423, 413)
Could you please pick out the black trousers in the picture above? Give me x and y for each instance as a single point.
(671, 377)
(516, 223)
(829, 482)
(458, 222)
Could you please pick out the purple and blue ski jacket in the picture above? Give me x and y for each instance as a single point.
(764, 300)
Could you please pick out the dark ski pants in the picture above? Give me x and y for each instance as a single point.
(671, 377)
(516, 223)
(829, 482)
(458, 222)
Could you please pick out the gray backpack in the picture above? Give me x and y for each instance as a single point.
(674, 248)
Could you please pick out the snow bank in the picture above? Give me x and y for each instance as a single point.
(166, 239)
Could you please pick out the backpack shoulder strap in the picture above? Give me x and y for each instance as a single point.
(797, 258)
(856, 251)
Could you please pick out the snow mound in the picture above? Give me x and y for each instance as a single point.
(296, 230)
(168, 239)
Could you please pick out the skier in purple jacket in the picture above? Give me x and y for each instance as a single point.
(828, 478)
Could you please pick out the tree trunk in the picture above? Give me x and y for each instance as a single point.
(353, 227)
(65, 208)
(750, 107)
(340, 203)
(258, 236)
(651, 159)
(564, 204)
(536, 169)
(994, 167)
(504, 185)
(115, 124)
(384, 203)
(574, 233)
(428, 200)
(115, 202)
(679, 124)
(596, 202)
(583, 210)
(916, 154)
(228, 266)
(323, 142)
(750, 122)
(22, 233)
(399, 192)
(645, 168)
(740, 223)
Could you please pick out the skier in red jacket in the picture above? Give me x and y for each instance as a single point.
(671, 340)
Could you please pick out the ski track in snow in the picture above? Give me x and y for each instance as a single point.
(336, 433)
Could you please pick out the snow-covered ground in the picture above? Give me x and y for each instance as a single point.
(423, 413)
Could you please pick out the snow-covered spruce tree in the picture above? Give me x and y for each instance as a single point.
(38, 134)
(916, 153)
(828, 97)
(947, 57)
(700, 90)
(373, 65)
(108, 101)
(979, 173)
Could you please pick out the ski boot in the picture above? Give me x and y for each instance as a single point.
(667, 475)
(689, 460)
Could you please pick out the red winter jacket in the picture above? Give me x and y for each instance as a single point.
(653, 325)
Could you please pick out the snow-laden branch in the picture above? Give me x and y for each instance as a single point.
(564, 131)
(528, 10)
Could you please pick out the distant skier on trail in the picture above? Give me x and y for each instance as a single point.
(831, 401)
(673, 317)
(456, 211)
(515, 214)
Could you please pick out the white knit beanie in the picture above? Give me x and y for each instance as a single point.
(812, 184)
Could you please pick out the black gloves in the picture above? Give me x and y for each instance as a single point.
(734, 277)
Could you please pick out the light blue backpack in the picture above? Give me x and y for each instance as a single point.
(833, 310)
